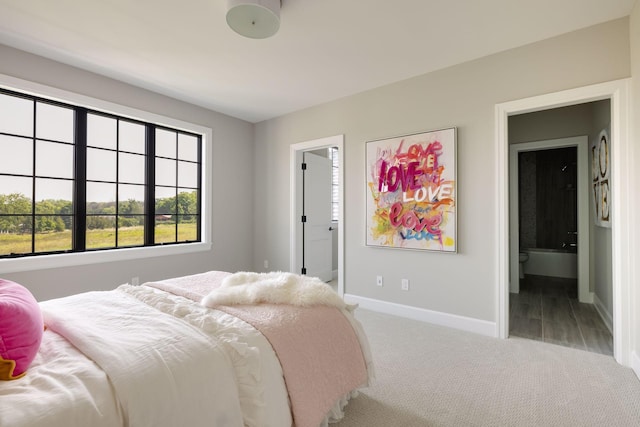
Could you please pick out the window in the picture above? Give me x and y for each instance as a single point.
(74, 179)
(176, 191)
(335, 183)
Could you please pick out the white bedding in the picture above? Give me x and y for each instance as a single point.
(61, 382)
(263, 393)
(164, 371)
(228, 362)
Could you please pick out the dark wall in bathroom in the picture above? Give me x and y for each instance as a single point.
(527, 198)
(548, 198)
(556, 198)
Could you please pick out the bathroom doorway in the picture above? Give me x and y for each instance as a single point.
(549, 209)
(548, 215)
(613, 290)
(551, 296)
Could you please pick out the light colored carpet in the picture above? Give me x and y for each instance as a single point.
(429, 375)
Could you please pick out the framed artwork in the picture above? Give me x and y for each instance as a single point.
(601, 179)
(411, 191)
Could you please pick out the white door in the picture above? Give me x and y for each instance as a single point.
(317, 235)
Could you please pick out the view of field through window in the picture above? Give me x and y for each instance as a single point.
(53, 228)
(42, 159)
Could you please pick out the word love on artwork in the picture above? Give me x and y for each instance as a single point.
(430, 194)
(411, 221)
(390, 178)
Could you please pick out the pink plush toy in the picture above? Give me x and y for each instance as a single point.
(21, 328)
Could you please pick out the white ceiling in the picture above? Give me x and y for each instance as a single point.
(325, 49)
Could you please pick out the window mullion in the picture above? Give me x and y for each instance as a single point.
(150, 186)
(177, 212)
(80, 196)
(199, 201)
(117, 218)
(33, 181)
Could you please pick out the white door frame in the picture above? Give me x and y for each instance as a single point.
(295, 197)
(621, 196)
(582, 207)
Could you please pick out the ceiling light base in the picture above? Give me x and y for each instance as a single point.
(256, 19)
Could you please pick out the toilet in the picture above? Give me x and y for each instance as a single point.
(524, 257)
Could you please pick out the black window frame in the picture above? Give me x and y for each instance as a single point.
(79, 199)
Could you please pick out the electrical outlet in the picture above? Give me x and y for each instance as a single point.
(379, 280)
(266, 263)
(135, 281)
(405, 284)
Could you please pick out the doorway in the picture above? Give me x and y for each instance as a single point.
(297, 153)
(543, 240)
(550, 298)
(622, 224)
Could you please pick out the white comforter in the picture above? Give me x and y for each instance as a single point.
(160, 360)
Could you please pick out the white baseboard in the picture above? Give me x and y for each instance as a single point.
(635, 363)
(469, 324)
(604, 314)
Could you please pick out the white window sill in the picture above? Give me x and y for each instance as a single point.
(42, 262)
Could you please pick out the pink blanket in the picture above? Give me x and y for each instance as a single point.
(317, 347)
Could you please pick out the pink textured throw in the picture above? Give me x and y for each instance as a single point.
(319, 351)
(193, 287)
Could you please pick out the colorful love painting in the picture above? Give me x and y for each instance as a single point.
(411, 191)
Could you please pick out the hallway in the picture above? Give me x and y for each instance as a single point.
(547, 309)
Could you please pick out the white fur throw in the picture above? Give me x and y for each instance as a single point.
(274, 288)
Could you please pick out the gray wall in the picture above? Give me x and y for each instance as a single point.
(233, 207)
(601, 244)
(575, 120)
(463, 96)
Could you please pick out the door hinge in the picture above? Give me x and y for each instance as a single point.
(304, 270)
(304, 218)
(304, 166)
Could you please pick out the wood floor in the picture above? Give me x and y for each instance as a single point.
(547, 309)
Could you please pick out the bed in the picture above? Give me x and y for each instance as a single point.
(214, 349)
